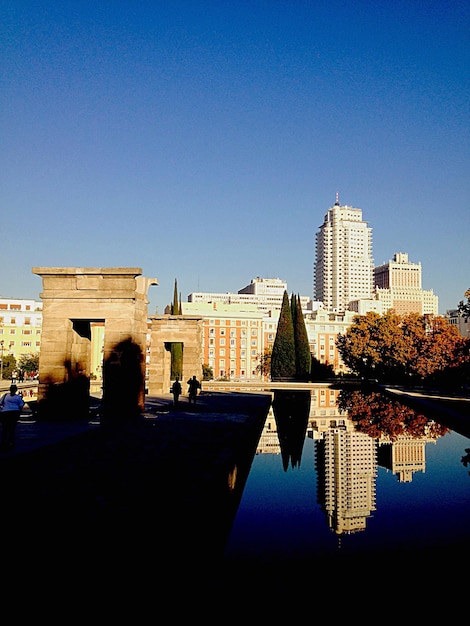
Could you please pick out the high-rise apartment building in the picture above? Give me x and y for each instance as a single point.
(343, 258)
(397, 285)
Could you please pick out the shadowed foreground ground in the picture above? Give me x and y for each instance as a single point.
(161, 490)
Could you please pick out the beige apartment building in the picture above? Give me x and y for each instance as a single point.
(20, 327)
(398, 285)
(236, 335)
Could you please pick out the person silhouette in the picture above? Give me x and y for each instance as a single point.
(10, 405)
(176, 391)
(193, 386)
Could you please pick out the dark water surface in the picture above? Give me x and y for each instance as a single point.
(374, 477)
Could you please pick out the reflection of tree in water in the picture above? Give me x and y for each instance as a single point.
(377, 415)
(466, 459)
(291, 410)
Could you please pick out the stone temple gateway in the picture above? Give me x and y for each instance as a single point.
(90, 315)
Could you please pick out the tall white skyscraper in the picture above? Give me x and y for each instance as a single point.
(344, 267)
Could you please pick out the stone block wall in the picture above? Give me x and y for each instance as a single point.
(73, 298)
(165, 329)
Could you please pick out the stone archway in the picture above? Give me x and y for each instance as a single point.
(77, 301)
(165, 329)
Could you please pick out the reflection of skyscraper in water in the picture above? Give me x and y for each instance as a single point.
(404, 456)
(347, 467)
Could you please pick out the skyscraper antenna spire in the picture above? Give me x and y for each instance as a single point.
(337, 199)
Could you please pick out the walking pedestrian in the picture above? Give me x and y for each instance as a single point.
(193, 386)
(176, 391)
(10, 411)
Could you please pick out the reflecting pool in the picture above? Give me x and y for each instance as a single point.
(352, 473)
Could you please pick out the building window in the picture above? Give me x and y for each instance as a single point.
(222, 342)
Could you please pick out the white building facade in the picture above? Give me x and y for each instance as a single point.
(343, 258)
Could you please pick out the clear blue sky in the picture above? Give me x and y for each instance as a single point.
(205, 140)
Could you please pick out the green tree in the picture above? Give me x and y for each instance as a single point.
(207, 372)
(303, 357)
(283, 354)
(264, 362)
(9, 365)
(321, 371)
(176, 347)
(464, 307)
(175, 305)
(28, 363)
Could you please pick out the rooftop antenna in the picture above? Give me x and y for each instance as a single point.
(337, 199)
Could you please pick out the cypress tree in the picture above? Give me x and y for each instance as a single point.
(283, 354)
(175, 304)
(293, 306)
(176, 347)
(303, 358)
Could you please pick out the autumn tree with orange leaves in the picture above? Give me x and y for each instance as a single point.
(405, 348)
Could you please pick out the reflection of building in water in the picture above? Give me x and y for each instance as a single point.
(324, 413)
(346, 464)
(349, 472)
(269, 441)
(404, 456)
